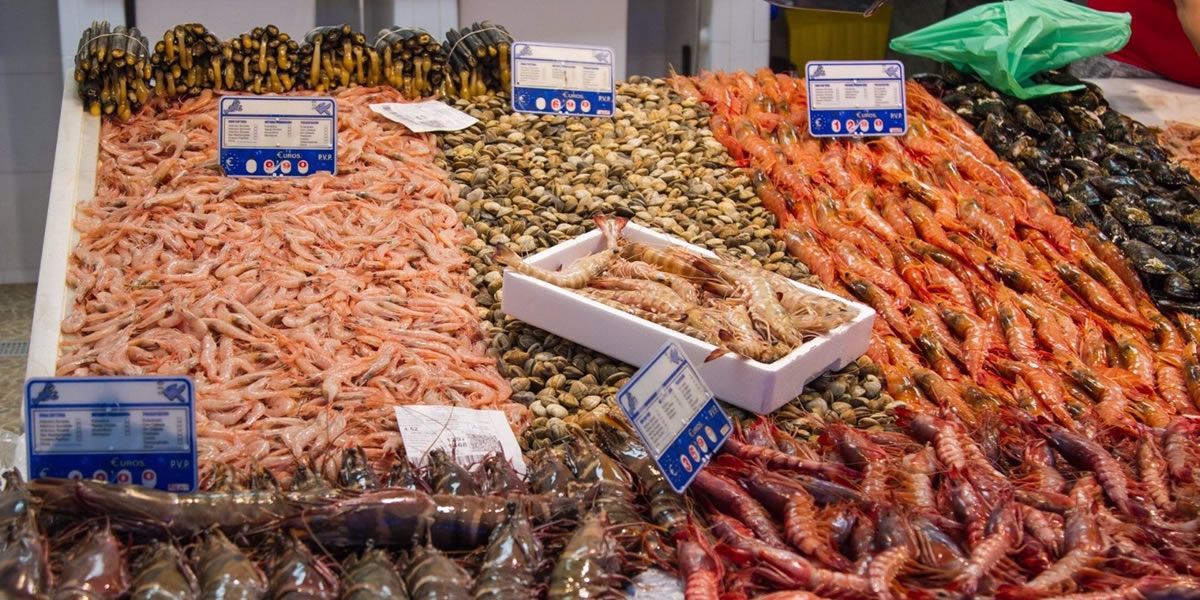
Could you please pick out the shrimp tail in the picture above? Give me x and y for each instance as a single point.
(505, 256)
(611, 227)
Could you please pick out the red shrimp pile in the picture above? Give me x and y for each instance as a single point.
(985, 296)
(304, 309)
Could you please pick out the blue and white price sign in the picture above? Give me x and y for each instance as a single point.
(675, 414)
(856, 98)
(124, 430)
(556, 79)
(271, 136)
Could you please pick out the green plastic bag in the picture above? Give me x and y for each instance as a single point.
(1006, 43)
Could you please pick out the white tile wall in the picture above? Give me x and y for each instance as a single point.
(30, 89)
(585, 22)
(434, 16)
(23, 201)
(226, 18)
(736, 34)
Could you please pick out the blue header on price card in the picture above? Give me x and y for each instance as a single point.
(271, 136)
(555, 79)
(856, 98)
(124, 430)
(675, 414)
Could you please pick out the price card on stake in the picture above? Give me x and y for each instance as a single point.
(675, 414)
(557, 79)
(272, 136)
(856, 98)
(126, 430)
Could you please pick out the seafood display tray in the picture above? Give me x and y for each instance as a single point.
(73, 178)
(757, 387)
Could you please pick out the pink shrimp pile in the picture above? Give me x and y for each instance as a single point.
(304, 309)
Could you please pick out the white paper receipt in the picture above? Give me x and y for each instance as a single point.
(430, 115)
(468, 434)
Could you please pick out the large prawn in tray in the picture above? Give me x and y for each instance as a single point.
(738, 307)
(303, 308)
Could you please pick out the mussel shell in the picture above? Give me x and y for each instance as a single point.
(1185, 263)
(1177, 285)
(934, 82)
(1115, 166)
(978, 91)
(1128, 152)
(1058, 143)
(1111, 186)
(1090, 144)
(1188, 244)
(1168, 175)
(955, 99)
(1163, 210)
(1161, 237)
(1188, 195)
(1078, 212)
(1147, 259)
(1083, 119)
(1084, 167)
(1060, 180)
(1154, 151)
(1111, 227)
(1052, 115)
(1114, 126)
(996, 132)
(1026, 117)
(1127, 211)
(1192, 221)
(1140, 134)
(991, 106)
(1082, 191)
(966, 110)
(1193, 275)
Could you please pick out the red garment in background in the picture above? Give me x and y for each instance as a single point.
(1158, 42)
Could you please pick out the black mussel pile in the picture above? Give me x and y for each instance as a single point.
(1103, 170)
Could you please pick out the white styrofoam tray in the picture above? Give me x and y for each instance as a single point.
(752, 385)
(73, 179)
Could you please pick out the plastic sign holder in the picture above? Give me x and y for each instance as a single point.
(856, 98)
(124, 430)
(557, 79)
(273, 136)
(675, 414)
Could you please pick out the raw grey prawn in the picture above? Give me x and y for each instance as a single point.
(590, 565)
(24, 560)
(163, 574)
(94, 569)
(225, 573)
(166, 512)
(299, 575)
(400, 517)
(510, 562)
(582, 270)
(432, 575)
(372, 576)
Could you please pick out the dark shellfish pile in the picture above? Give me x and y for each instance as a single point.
(1103, 170)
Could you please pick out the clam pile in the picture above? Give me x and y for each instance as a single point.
(533, 181)
(1103, 170)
